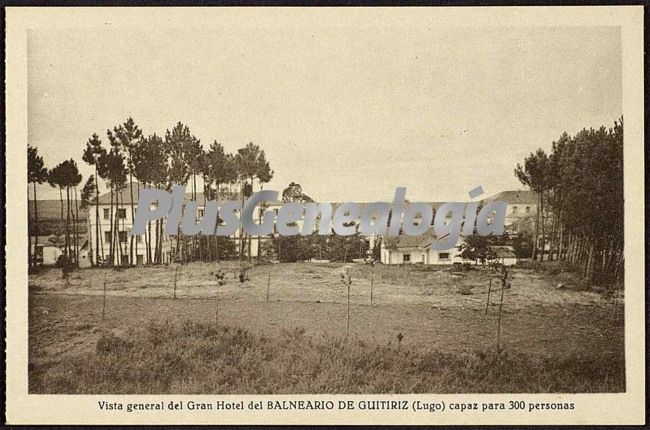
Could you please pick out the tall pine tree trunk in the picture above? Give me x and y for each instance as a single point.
(36, 228)
(131, 260)
(543, 250)
(61, 199)
(216, 226)
(111, 248)
(536, 239)
(121, 252)
(97, 238)
(117, 246)
(194, 237)
(117, 249)
(76, 227)
(148, 244)
(259, 238)
(156, 253)
(62, 218)
(67, 222)
(241, 228)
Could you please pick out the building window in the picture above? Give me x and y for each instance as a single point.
(121, 213)
(444, 256)
(514, 210)
(107, 213)
(138, 238)
(407, 257)
(123, 236)
(201, 212)
(527, 209)
(107, 236)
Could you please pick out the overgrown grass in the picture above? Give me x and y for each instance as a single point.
(413, 274)
(193, 358)
(572, 275)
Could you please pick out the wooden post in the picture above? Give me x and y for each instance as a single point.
(372, 280)
(268, 285)
(347, 326)
(175, 277)
(504, 283)
(217, 308)
(104, 301)
(487, 303)
(499, 322)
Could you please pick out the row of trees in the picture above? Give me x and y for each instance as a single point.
(132, 159)
(66, 177)
(178, 158)
(315, 246)
(580, 191)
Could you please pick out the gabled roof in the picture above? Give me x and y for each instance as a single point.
(59, 241)
(125, 195)
(422, 241)
(362, 206)
(503, 251)
(45, 240)
(514, 197)
(406, 241)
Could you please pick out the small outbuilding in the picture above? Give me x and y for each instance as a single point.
(404, 249)
(504, 254)
(48, 250)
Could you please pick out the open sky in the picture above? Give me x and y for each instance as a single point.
(350, 113)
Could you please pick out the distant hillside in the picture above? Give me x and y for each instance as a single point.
(52, 209)
(49, 217)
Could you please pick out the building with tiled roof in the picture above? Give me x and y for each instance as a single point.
(405, 249)
(522, 207)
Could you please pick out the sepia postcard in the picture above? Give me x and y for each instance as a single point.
(325, 215)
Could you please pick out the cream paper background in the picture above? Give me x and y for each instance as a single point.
(22, 408)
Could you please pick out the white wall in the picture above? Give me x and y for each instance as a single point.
(124, 225)
(509, 261)
(391, 256)
(50, 254)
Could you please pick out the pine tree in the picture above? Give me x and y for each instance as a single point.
(92, 154)
(124, 138)
(36, 174)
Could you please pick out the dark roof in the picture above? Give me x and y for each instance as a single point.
(58, 241)
(510, 197)
(362, 206)
(45, 240)
(406, 241)
(503, 251)
(514, 197)
(125, 195)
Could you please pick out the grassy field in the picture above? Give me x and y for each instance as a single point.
(229, 339)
